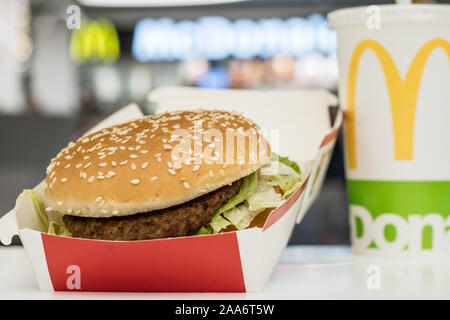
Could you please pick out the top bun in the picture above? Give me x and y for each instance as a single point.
(154, 163)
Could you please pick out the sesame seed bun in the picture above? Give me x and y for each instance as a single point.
(153, 163)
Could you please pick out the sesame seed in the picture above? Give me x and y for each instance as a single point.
(104, 211)
(100, 177)
(167, 147)
(87, 165)
(144, 165)
(115, 212)
(48, 209)
(103, 164)
(169, 164)
(196, 167)
(153, 178)
(98, 199)
(133, 156)
(135, 181)
(113, 163)
(123, 162)
(111, 173)
(86, 157)
(78, 165)
(159, 159)
(63, 179)
(186, 185)
(85, 140)
(66, 166)
(59, 203)
(133, 166)
(158, 155)
(144, 151)
(91, 179)
(172, 172)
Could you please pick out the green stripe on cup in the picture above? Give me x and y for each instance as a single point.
(402, 198)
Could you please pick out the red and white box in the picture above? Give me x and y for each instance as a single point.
(239, 261)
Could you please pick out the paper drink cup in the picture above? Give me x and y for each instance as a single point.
(394, 85)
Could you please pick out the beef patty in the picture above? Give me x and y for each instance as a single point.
(177, 221)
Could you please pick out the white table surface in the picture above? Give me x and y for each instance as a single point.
(303, 272)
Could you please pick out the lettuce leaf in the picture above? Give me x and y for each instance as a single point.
(276, 167)
(38, 206)
(59, 229)
(256, 194)
(284, 173)
(265, 197)
(241, 216)
(52, 227)
(247, 189)
(205, 230)
(285, 182)
(217, 222)
(286, 161)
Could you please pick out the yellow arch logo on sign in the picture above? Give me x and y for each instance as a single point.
(96, 40)
(402, 95)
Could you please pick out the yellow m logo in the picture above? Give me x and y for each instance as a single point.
(402, 95)
(97, 40)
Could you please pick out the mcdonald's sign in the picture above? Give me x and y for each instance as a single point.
(96, 40)
(402, 95)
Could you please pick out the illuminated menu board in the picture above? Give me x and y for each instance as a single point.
(217, 38)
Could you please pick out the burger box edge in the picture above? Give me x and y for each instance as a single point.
(253, 252)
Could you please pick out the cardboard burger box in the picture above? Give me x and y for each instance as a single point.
(239, 261)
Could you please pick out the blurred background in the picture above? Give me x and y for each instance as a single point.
(65, 65)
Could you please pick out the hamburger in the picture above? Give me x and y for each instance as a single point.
(172, 174)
